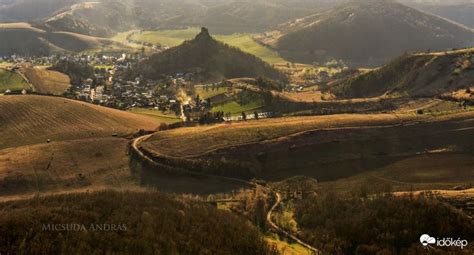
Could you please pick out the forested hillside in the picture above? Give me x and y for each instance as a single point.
(367, 33)
(208, 60)
(124, 223)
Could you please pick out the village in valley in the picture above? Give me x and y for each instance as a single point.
(173, 95)
(107, 88)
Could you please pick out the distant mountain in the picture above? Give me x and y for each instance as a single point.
(28, 10)
(426, 75)
(366, 33)
(23, 39)
(208, 59)
(255, 15)
(107, 17)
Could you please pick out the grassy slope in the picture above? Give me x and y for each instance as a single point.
(82, 153)
(34, 119)
(175, 37)
(47, 82)
(226, 100)
(12, 81)
(209, 138)
(235, 108)
(65, 166)
(414, 75)
(420, 172)
(350, 144)
(159, 116)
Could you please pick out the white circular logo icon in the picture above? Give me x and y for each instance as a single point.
(425, 240)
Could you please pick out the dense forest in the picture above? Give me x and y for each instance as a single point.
(379, 225)
(124, 223)
(206, 59)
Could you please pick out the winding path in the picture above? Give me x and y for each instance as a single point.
(284, 232)
(136, 147)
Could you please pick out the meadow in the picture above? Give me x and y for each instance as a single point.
(11, 81)
(234, 107)
(231, 100)
(206, 92)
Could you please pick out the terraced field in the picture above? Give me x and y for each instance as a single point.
(47, 82)
(35, 119)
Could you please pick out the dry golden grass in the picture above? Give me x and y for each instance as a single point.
(196, 141)
(67, 165)
(307, 96)
(28, 120)
(420, 172)
(442, 193)
(430, 168)
(47, 82)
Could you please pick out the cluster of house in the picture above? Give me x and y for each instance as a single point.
(156, 47)
(39, 61)
(125, 95)
(118, 60)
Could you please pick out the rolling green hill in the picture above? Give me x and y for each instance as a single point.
(427, 74)
(207, 59)
(366, 33)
